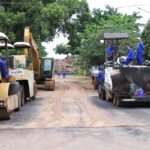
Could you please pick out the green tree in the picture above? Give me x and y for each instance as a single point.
(45, 17)
(90, 50)
(146, 40)
(62, 49)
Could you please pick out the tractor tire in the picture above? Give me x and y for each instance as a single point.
(22, 97)
(50, 85)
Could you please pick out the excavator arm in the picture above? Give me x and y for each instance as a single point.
(42, 67)
(33, 52)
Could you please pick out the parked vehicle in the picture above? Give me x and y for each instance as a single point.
(17, 82)
(124, 83)
(43, 67)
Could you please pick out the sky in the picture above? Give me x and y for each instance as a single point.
(124, 6)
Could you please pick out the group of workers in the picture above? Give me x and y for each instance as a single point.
(131, 55)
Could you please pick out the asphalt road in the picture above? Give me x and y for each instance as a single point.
(73, 118)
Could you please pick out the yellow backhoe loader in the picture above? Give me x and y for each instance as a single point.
(16, 82)
(43, 67)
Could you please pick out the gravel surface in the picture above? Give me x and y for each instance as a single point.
(73, 118)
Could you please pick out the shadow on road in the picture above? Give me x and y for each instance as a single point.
(26, 114)
(107, 105)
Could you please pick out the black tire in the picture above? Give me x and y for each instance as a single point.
(4, 115)
(49, 85)
(22, 97)
(117, 101)
(101, 92)
(114, 101)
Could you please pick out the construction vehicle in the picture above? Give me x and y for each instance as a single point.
(23, 71)
(43, 67)
(123, 83)
(15, 83)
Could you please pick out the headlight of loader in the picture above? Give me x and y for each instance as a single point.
(2, 103)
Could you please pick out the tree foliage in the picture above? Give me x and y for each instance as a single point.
(62, 49)
(146, 40)
(45, 17)
(109, 20)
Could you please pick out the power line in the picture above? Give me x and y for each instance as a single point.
(143, 10)
(136, 6)
(127, 6)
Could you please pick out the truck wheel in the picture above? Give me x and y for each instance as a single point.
(116, 101)
(101, 92)
(4, 115)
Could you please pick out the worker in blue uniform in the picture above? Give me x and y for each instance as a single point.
(130, 55)
(101, 75)
(4, 69)
(109, 52)
(139, 52)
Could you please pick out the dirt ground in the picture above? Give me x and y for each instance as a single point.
(73, 117)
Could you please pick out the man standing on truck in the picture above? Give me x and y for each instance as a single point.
(110, 52)
(139, 52)
(130, 55)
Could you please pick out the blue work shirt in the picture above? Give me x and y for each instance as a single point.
(109, 51)
(130, 56)
(4, 69)
(101, 76)
(139, 53)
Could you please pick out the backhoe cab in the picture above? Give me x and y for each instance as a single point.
(46, 74)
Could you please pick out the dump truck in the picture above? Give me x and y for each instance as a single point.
(43, 67)
(123, 83)
(17, 82)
